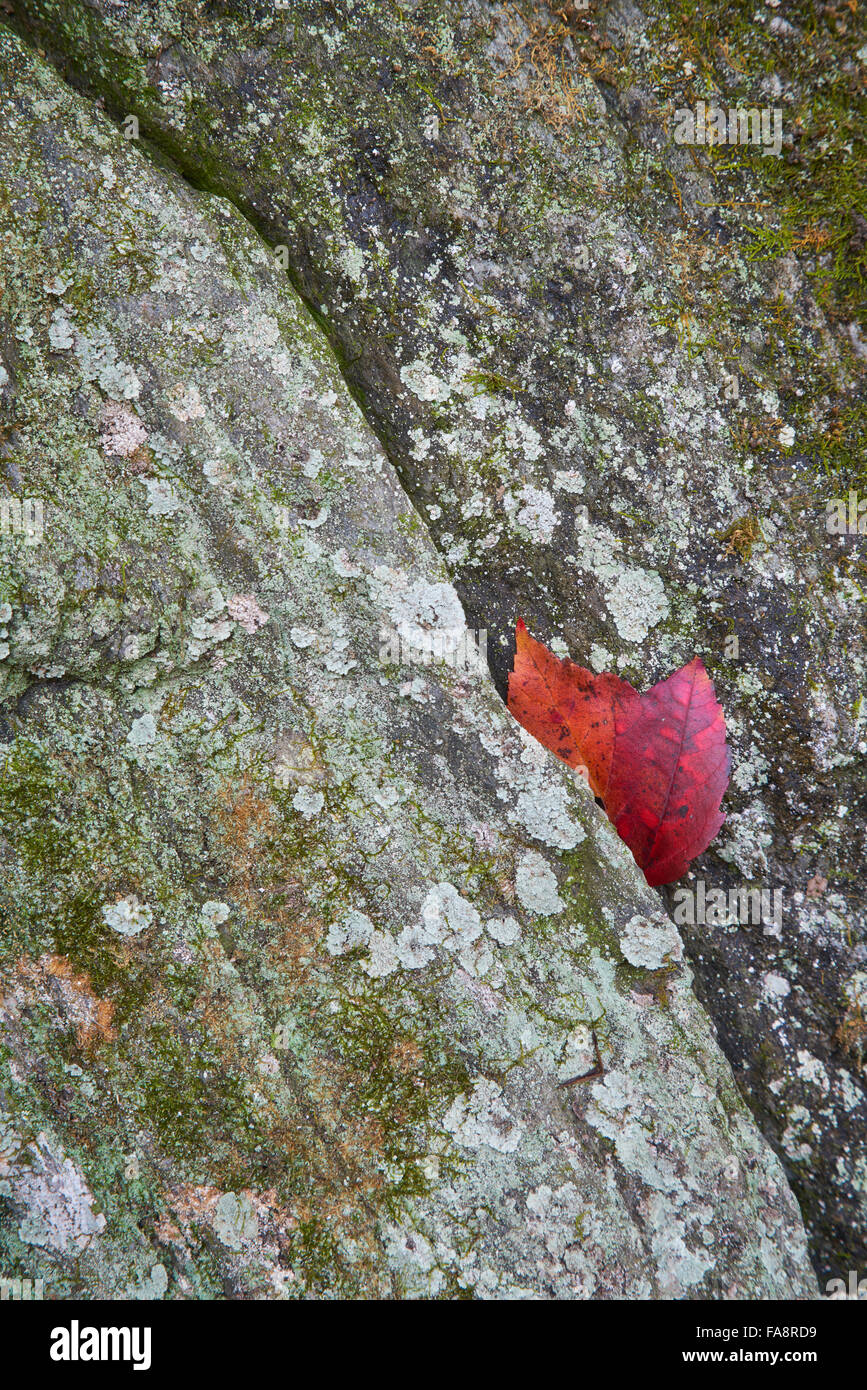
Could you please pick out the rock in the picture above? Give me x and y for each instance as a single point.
(620, 422)
(290, 977)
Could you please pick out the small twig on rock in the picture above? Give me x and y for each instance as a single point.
(596, 1070)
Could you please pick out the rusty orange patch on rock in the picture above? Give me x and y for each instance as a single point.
(72, 997)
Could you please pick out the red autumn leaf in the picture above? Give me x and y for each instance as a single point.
(566, 707)
(671, 769)
(659, 761)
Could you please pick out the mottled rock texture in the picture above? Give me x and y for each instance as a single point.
(619, 378)
(297, 944)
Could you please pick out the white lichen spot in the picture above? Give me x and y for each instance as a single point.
(449, 919)
(636, 601)
(344, 566)
(352, 261)
(793, 1140)
(214, 912)
(60, 332)
(415, 945)
(235, 1221)
(504, 930)
(56, 1199)
(314, 522)
(154, 1286)
(622, 1110)
(246, 611)
(520, 434)
(424, 615)
(569, 480)
(313, 463)
(207, 631)
(537, 514)
(536, 886)
(850, 1096)
(601, 658)
(121, 431)
(544, 813)
(128, 916)
(56, 285)
(774, 987)
(812, 1069)
(651, 942)
(162, 498)
(424, 383)
(143, 732)
(749, 839)
(383, 955)
(109, 177)
(308, 802)
(751, 771)
(578, 1053)
(338, 659)
(185, 402)
(411, 1255)
(354, 929)
(97, 356)
(482, 1120)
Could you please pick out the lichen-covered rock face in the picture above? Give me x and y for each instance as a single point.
(304, 942)
(620, 372)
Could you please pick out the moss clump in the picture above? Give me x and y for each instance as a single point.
(397, 1076)
(34, 797)
(741, 536)
(813, 199)
(185, 1094)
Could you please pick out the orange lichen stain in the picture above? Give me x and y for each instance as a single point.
(406, 1056)
(71, 996)
(297, 947)
(245, 815)
(247, 824)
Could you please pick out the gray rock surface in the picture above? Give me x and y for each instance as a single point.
(298, 943)
(621, 377)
